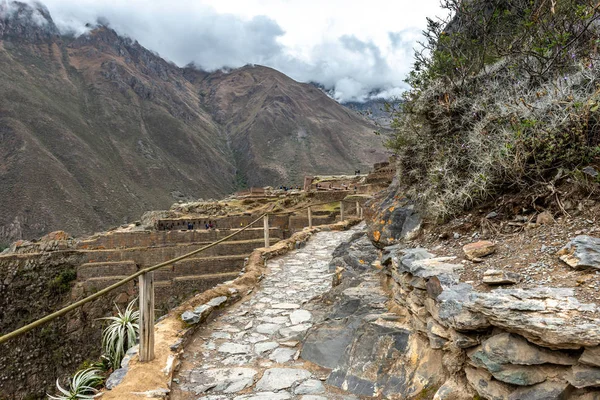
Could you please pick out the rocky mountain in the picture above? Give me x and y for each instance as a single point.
(96, 129)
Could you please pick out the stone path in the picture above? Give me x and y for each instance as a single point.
(251, 351)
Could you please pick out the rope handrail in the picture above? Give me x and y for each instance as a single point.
(100, 293)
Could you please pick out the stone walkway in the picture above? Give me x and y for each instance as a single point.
(251, 350)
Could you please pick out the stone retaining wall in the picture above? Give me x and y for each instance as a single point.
(507, 344)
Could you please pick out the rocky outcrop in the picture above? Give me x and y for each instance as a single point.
(506, 343)
(391, 217)
(413, 330)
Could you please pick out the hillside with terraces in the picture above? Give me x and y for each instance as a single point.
(41, 276)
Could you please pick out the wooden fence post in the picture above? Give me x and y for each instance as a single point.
(357, 209)
(309, 217)
(361, 213)
(266, 224)
(341, 210)
(146, 287)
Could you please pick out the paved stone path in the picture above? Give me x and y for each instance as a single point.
(251, 350)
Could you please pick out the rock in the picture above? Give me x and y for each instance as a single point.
(281, 378)
(583, 376)
(545, 218)
(549, 317)
(190, 318)
(419, 262)
(300, 316)
(591, 356)
(507, 348)
(325, 345)
(491, 215)
(115, 378)
(265, 396)
(463, 341)
(294, 330)
(203, 311)
(263, 347)
(226, 380)
(56, 235)
(549, 390)
(286, 306)
(311, 386)
(282, 355)
(365, 365)
(479, 249)
(392, 218)
(591, 171)
(268, 329)
(454, 389)
(581, 252)
(234, 348)
(486, 386)
(497, 277)
(453, 309)
(434, 287)
(217, 301)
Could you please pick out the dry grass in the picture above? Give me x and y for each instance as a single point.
(460, 147)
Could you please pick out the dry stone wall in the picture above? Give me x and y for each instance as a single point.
(30, 288)
(506, 344)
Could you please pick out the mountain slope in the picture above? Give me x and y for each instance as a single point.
(97, 129)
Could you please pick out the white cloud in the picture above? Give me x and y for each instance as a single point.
(354, 47)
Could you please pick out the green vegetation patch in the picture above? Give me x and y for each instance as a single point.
(62, 282)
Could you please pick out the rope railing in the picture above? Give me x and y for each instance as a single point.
(146, 288)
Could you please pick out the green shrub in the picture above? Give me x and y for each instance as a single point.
(62, 282)
(503, 97)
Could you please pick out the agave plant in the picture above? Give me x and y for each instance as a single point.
(121, 333)
(82, 386)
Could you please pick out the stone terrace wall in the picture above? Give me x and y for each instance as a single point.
(32, 286)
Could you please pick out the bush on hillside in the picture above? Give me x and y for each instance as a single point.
(504, 95)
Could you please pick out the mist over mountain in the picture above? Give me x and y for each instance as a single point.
(96, 129)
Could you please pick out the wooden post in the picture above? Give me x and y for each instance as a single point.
(266, 224)
(357, 209)
(146, 317)
(341, 210)
(361, 213)
(309, 217)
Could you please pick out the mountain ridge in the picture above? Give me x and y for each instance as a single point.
(96, 129)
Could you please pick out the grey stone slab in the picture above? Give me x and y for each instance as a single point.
(281, 378)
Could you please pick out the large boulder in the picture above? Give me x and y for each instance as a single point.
(391, 218)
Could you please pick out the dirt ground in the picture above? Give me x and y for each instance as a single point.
(522, 245)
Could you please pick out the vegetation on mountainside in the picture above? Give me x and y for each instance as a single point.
(505, 95)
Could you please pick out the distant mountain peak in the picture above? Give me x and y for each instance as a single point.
(30, 21)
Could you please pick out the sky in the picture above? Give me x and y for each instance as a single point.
(357, 49)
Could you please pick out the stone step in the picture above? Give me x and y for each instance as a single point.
(92, 285)
(201, 266)
(121, 240)
(146, 257)
(226, 276)
(103, 269)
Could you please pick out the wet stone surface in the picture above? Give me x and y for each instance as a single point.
(251, 350)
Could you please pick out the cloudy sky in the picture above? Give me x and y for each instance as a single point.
(352, 46)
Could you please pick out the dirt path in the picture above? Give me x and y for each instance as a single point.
(251, 350)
